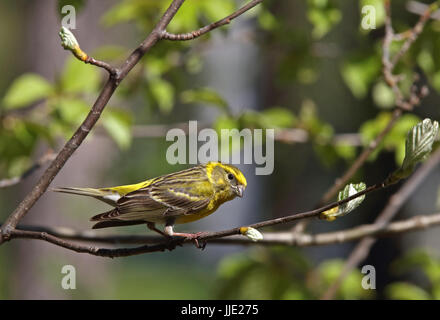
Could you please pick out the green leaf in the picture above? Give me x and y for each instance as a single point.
(323, 15)
(79, 77)
(394, 140)
(186, 18)
(419, 142)
(278, 118)
(232, 265)
(406, 291)
(351, 288)
(418, 258)
(267, 20)
(345, 151)
(309, 120)
(118, 125)
(139, 11)
(225, 122)
(72, 110)
(25, 90)
(359, 72)
(426, 61)
(436, 81)
(194, 63)
(163, 93)
(418, 146)
(383, 95)
(272, 118)
(204, 96)
(349, 190)
(216, 10)
(110, 52)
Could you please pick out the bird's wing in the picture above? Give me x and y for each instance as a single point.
(168, 200)
(172, 195)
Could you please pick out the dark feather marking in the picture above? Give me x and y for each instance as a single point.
(116, 223)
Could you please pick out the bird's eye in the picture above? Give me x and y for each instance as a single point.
(230, 176)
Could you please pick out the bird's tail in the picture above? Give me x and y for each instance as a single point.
(106, 195)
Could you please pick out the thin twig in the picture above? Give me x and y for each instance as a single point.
(414, 32)
(197, 33)
(111, 70)
(372, 146)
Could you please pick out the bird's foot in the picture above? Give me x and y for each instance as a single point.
(193, 237)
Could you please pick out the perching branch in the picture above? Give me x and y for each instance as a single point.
(82, 132)
(416, 223)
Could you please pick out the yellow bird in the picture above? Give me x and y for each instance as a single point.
(175, 198)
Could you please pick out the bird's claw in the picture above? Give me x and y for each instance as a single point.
(195, 237)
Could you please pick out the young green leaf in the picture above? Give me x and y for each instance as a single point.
(25, 90)
(406, 291)
(419, 142)
(78, 77)
(204, 96)
(118, 125)
(68, 40)
(339, 211)
(418, 145)
(163, 93)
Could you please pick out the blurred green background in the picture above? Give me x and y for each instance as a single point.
(285, 64)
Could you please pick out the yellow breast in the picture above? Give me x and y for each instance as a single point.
(219, 198)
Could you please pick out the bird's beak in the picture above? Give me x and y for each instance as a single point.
(239, 191)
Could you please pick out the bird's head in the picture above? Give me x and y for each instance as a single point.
(227, 178)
